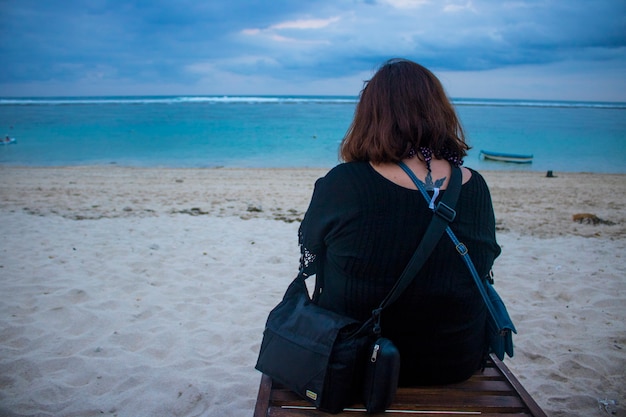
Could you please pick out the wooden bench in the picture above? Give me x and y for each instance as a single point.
(492, 392)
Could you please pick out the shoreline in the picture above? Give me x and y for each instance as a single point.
(527, 203)
(144, 291)
(508, 168)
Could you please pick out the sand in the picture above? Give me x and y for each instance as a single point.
(143, 292)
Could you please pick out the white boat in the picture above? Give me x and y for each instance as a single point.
(507, 157)
(8, 141)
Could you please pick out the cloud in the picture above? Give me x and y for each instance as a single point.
(187, 43)
(456, 8)
(407, 4)
(567, 80)
(291, 31)
(305, 24)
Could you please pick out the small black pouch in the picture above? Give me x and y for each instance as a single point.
(381, 376)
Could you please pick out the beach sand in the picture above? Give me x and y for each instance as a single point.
(144, 292)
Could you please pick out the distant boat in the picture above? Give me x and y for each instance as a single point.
(507, 157)
(8, 141)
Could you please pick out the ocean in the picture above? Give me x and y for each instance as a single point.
(294, 131)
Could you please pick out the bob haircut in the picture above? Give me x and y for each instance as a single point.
(401, 109)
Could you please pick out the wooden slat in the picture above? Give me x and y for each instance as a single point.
(530, 402)
(263, 398)
(493, 392)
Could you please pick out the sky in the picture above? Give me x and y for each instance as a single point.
(509, 49)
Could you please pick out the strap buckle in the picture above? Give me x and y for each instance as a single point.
(445, 212)
(462, 249)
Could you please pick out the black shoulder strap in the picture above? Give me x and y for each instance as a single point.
(444, 214)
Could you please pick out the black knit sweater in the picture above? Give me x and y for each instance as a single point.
(359, 233)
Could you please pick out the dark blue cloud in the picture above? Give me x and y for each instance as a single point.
(47, 40)
(159, 41)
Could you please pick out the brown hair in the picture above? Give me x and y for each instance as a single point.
(401, 109)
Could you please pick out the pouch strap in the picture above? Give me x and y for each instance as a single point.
(460, 247)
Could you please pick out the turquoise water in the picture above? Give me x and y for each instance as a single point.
(290, 132)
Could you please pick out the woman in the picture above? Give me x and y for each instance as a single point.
(366, 219)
